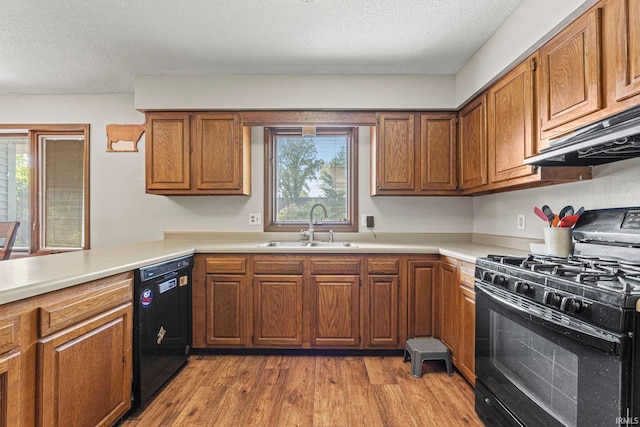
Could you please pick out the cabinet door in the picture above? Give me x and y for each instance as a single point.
(218, 152)
(510, 119)
(167, 151)
(449, 307)
(383, 296)
(473, 144)
(438, 142)
(395, 152)
(335, 314)
(570, 81)
(421, 279)
(10, 389)
(84, 371)
(627, 48)
(226, 309)
(277, 306)
(466, 349)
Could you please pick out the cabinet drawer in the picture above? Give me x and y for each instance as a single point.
(9, 333)
(383, 266)
(277, 265)
(57, 316)
(226, 265)
(335, 266)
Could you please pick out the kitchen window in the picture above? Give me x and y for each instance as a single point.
(303, 170)
(44, 184)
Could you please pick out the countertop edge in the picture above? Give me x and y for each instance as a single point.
(28, 277)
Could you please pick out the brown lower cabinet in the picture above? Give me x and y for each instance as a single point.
(350, 301)
(66, 356)
(299, 301)
(454, 305)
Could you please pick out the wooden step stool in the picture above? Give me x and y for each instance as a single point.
(421, 349)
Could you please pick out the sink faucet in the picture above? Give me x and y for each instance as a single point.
(311, 232)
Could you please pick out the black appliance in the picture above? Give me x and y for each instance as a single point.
(556, 337)
(162, 325)
(609, 140)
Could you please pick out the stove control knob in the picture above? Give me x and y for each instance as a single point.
(487, 276)
(522, 287)
(570, 305)
(500, 281)
(551, 298)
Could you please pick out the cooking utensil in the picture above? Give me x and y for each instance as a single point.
(549, 213)
(579, 211)
(555, 221)
(540, 214)
(567, 210)
(568, 221)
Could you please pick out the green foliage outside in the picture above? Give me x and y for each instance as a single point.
(298, 167)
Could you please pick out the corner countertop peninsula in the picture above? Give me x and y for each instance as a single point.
(31, 276)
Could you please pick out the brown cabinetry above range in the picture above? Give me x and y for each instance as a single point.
(590, 70)
(205, 153)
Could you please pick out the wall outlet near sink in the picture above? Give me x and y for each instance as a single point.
(521, 222)
(255, 219)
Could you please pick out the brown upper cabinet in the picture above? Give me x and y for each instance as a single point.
(511, 123)
(473, 144)
(414, 154)
(570, 76)
(197, 153)
(626, 38)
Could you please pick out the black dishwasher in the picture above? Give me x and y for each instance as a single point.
(162, 325)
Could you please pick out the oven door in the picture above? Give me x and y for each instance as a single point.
(538, 367)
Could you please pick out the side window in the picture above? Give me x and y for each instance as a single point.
(44, 185)
(304, 170)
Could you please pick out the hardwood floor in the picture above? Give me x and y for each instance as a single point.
(294, 390)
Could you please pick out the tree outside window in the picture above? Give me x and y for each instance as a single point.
(309, 170)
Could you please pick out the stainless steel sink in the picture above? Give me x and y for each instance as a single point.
(284, 245)
(333, 245)
(308, 245)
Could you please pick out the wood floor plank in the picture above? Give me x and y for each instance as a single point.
(309, 391)
(363, 410)
(297, 404)
(329, 409)
(378, 370)
(265, 407)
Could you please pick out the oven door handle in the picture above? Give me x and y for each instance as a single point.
(563, 324)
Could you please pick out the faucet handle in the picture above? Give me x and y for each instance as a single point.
(331, 235)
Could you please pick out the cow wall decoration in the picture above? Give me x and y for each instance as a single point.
(130, 133)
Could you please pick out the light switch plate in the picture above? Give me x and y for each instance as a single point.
(521, 222)
(363, 219)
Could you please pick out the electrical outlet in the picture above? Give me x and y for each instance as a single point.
(521, 222)
(255, 219)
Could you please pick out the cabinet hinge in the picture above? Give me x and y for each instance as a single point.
(534, 65)
(457, 120)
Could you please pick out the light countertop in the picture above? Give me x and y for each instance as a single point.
(27, 277)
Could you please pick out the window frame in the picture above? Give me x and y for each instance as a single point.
(270, 224)
(34, 132)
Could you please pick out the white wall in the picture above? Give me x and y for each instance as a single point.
(121, 212)
(272, 91)
(613, 185)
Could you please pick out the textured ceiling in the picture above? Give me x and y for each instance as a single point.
(98, 46)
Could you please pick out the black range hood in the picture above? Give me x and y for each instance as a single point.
(612, 139)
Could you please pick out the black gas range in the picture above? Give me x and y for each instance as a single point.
(554, 334)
